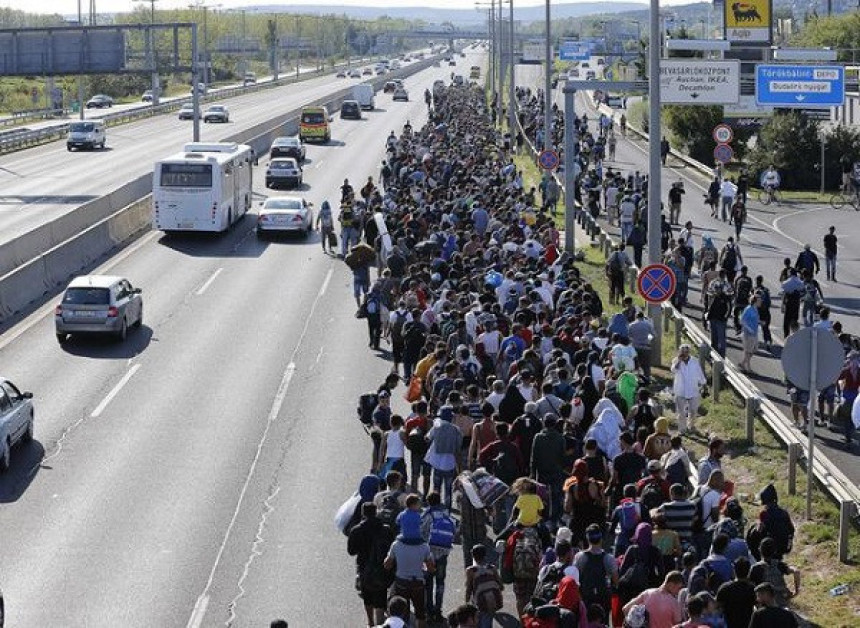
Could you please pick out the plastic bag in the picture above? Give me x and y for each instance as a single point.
(344, 514)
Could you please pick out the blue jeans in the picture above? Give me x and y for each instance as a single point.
(718, 336)
(830, 266)
(437, 578)
(808, 313)
(443, 479)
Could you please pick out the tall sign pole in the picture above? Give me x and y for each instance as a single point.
(547, 86)
(512, 112)
(654, 166)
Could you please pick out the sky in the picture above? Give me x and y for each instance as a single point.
(70, 7)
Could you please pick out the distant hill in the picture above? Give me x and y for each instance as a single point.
(461, 17)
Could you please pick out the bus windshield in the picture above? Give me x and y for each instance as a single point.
(313, 117)
(186, 175)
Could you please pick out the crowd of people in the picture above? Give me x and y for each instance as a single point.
(518, 420)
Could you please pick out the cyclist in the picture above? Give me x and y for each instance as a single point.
(770, 181)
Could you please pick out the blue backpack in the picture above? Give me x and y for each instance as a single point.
(442, 530)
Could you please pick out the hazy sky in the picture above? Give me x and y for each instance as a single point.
(70, 7)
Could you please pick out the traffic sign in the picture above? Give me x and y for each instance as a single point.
(574, 51)
(800, 85)
(656, 283)
(723, 153)
(548, 160)
(609, 74)
(723, 134)
(797, 358)
(697, 82)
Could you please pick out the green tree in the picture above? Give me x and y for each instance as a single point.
(842, 33)
(790, 141)
(840, 140)
(691, 128)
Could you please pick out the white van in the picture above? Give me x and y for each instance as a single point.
(86, 134)
(364, 94)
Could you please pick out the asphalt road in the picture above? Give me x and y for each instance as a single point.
(47, 181)
(771, 234)
(189, 476)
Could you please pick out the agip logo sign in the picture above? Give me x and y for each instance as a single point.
(748, 21)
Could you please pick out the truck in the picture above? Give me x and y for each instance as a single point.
(364, 94)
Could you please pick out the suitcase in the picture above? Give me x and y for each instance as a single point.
(332, 239)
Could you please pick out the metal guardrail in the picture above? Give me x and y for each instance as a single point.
(30, 137)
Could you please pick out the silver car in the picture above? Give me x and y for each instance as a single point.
(282, 214)
(98, 304)
(284, 171)
(16, 422)
(217, 113)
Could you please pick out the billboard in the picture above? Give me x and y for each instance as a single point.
(35, 52)
(748, 21)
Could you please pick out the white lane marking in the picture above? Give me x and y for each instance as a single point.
(114, 391)
(200, 607)
(31, 321)
(319, 163)
(208, 282)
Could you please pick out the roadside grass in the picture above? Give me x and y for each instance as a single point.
(751, 468)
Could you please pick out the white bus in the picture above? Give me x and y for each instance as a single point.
(206, 187)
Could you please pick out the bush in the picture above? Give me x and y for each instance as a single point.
(791, 142)
(691, 128)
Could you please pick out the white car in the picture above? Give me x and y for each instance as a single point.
(355, 74)
(285, 214)
(284, 171)
(16, 420)
(217, 113)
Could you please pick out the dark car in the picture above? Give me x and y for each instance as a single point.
(99, 101)
(288, 147)
(350, 109)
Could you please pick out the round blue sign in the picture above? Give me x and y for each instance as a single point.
(656, 283)
(723, 153)
(548, 160)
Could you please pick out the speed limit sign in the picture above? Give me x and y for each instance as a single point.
(723, 134)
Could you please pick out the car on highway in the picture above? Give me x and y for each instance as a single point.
(590, 75)
(452, 62)
(186, 111)
(16, 426)
(389, 87)
(250, 78)
(88, 134)
(355, 74)
(367, 72)
(615, 101)
(380, 71)
(147, 96)
(400, 94)
(288, 147)
(217, 113)
(350, 109)
(100, 101)
(285, 214)
(341, 74)
(98, 304)
(284, 172)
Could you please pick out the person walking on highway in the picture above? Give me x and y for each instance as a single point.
(717, 315)
(712, 198)
(664, 149)
(676, 194)
(348, 228)
(611, 143)
(688, 381)
(830, 248)
(792, 291)
(325, 224)
(731, 259)
(763, 293)
(749, 327)
(743, 185)
(743, 287)
(728, 191)
(807, 260)
(739, 217)
(626, 214)
(812, 297)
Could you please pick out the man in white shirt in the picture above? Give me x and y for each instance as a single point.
(626, 212)
(689, 378)
(728, 191)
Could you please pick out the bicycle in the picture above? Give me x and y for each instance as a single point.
(843, 198)
(768, 195)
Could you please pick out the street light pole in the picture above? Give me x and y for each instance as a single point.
(512, 114)
(80, 76)
(547, 121)
(654, 172)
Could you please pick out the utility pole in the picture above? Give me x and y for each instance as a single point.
(654, 167)
(151, 58)
(512, 114)
(547, 119)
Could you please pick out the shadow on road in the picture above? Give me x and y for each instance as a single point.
(25, 464)
(108, 348)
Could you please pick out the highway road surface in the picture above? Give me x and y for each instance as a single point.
(45, 182)
(189, 476)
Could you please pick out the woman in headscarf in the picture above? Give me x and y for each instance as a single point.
(325, 223)
(589, 394)
(583, 501)
(606, 430)
(641, 567)
(569, 597)
(367, 490)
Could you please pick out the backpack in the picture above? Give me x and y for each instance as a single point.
(527, 555)
(705, 578)
(635, 579)
(677, 473)
(637, 617)
(652, 496)
(776, 578)
(371, 305)
(810, 293)
(592, 579)
(487, 591)
(698, 502)
(415, 441)
(397, 326)
(366, 405)
(547, 588)
(743, 289)
(764, 295)
(390, 508)
(505, 465)
(615, 263)
(628, 516)
(442, 531)
(730, 259)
